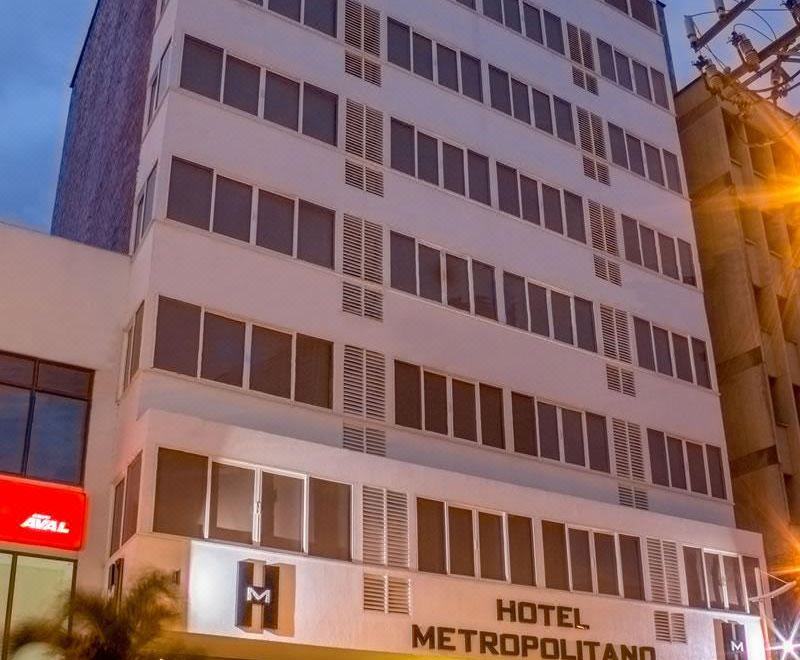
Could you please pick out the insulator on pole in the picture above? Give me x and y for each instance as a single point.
(719, 5)
(747, 52)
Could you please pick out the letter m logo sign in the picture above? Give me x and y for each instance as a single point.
(257, 596)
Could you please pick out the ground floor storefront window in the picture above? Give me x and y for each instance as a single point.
(30, 587)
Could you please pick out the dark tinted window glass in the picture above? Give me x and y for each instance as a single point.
(457, 283)
(542, 114)
(677, 469)
(16, 370)
(423, 56)
(573, 210)
(177, 337)
(321, 15)
(554, 33)
(271, 362)
(623, 70)
(492, 427)
(447, 67)
(687, 263)
(530, 199)
(649, 253)
(63, 380)
(328, 519)
(635, 157)
(201, 71)
(404, 263)
(430, 273)
(319, 114)
(180, 502)
(630, 232)
(288, 8)
(548, 431)
(565, 129)
(702, 372)
(282, 512)
(233, 204)
(572, 424)
(493, 9)
(641, 80)
(313, 371)
(461, 544)
(491, 538)
(116, 520)
(580, 560)
(584, 323)
(553, 213)
(537, 302)
(669, 260)
(750, 566)
(403, 147)
(275, 223)
(673, 172)
(399, 44)
(427, 158)
(663, 357)
(58, 429)
(507, 190)
(453, 168)
(435, 403)
(562, 317)
(524, 420)
(597, 435)
(464, 413)
(683, 362)
(733, 581)
(695, 581)
(281, 100)
(520, 550)
(631, 558)
(231, 503)
(430, 536)
(478, 177)
(522, 104)
(484, 290)
(499, 90)
(658, 457)
(654, 169)
(514, 297)
(606, 558)
(619, 152)
(242, 82)
(644, 344)
(223, 350)
(714, 580)
(697, 468)
(533, 23)
(660, 94)
(407, 395)
(471, 81)
(606, 54)
(512, 16)
(315, 231)
(190, 194)
(715, 471)
(644, 12)
(554, 542)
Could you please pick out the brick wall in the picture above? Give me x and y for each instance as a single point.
(96, 185)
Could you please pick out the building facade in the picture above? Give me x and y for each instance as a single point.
(741, 183)
(416, 359)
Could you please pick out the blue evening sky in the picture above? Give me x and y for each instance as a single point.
(40, 41)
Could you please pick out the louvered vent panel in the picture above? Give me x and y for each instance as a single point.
(362, 31)
(364, 383)
(628, 455)
(373, 141)
(373, 304)
(634, 498)
(591, 85)
(655, 566)
(603, 174)
(397, 553)
(662, 626)
(573, 39)
(597, 230)
(585, 130)
(354, 175)
(628, 382)
(375, 593)
(354, 24)
(354, 128)
(672, 574)
(589, 168)
(670, 627)
(373, 518)
(615, 274)
(613, 378)
(678, 627)
(353, 246)
(623, 335)
(364, 440)
(608, 332)
(373, 73)
(598, 136)
(375, 365)
(610, 231)
(352, 299)
(373, 182)
(372, 31)
(353, 381)
(363, 68)
(600, 267)
(373, 253)
(641, 500)
(587, 51)
(399, 596)
(578, 77)
(636, 452)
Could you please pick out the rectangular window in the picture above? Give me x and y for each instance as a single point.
(606, 55)
(133, 479)
(658, 457)
(201, 70)
(464, 412)
(515, 304)
(460, 541)
(542, 112)
(549, 446)
(493, 9)
(631, 559)
(282, 512)
(697, 468)
(320, 114)
(733, 584)
(430, 273)
(580, 560)
(584, 325)
(644, 344)
(116, 521)
(423, 56)
(687, 263)
(554, 543)
(471, 79)
(407, 395)
(288, 8)
(673, 171)
(641, 80)
(399, 43)
(180, 500)
(521, 101)
(403, 263)
(677, 465)
(524, 424)
(233, 204)
(701, 366)
(478, 167)
(663, 354)
(275, 224)
(190, 194)
(716, 599)
(572, 428)
(223, 350)
(553, 212)
(492, 427)
(715, 471)
(669, 260)
(619, 151)
(624, 76)
(435, 403)
(554, 32)
(314, 371)
(231, 504)
(533, 23)
(597, 437)
(529, 190)
(562, 317)
(316, 227)
(630, 233)
(447, 67)
(427, 158)
(282, 101)
(635, 157)
(431, 549)
(484, 290)
(565, 128)
(573, 212)
(683, 361)
(695, 580)
(605, 553)
(660, 94)
(507, 190)
(321, 15)
(271, 362)
(403, 152)
(649, 252)
(520, 550)
(655, 171)
(491, 542)
(537, 302)
(329, 528)
(242, 85)
(453, 168)
(177, 337)
(457, 282)
(499, 90)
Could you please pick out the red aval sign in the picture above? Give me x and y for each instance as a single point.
(46, 515)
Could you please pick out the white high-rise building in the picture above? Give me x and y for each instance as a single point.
(417, 360)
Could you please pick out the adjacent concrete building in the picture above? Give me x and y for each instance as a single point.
(741, 170)
(416, 358)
